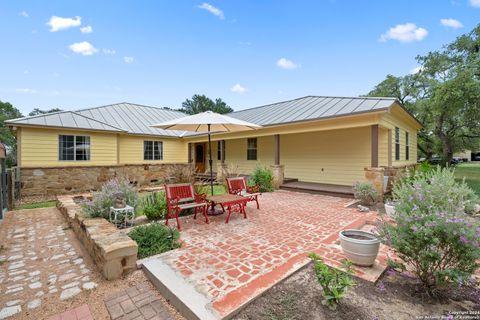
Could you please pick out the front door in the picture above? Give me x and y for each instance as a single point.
(200, 149)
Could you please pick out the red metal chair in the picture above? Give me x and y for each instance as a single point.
(239, 187)
(182, 196)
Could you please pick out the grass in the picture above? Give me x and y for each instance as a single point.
(36, 205)
(217, 189)
(471, 173)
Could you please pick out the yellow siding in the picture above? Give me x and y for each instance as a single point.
(39, 148)
(131, 150)
(397, 118)
(334, 157)
(382, 147)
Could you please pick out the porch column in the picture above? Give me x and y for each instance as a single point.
(277, 168)
(374, 155)
(221, 165)
(190, 153)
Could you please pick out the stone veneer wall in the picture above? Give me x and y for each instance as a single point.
(114, 253)
(63, 180)
(375, 175)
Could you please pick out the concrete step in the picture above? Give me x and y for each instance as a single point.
(180, 293)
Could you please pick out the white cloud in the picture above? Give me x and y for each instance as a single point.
(25, 71)
(27, 90)
(451, 23)
(86, 29)
(238, 88)
(286, 64)
(475, 3)
(213, 10)
(416, 70)
(59, 23)
(108, 51)
(84, 48)
(407, 32)
(128, 59)
(24, 14)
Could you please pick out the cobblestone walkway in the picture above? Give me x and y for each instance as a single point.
(138, 302)
(37, 260)
(232, 263)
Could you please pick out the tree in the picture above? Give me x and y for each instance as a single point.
(37, 111)
(8, 111)
(201, 103)
(444, 95)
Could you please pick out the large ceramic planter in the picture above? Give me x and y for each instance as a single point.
(390, 209)
(359, 246)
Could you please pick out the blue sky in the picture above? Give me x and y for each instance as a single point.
(76, 54)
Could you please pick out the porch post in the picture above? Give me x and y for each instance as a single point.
(277, 168)
(190, 153)
(374, 156)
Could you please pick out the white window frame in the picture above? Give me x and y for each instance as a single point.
(153, 150)
(75, 147)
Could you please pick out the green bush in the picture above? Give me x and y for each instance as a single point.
(154, 206)
(432, 234)
(334, 282)
(263, 177)
(365, 192)
(154, 239)
(104, 199)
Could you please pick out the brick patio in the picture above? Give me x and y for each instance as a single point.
(227, 265)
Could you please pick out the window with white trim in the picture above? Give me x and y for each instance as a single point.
(73, 148)
(152, 150)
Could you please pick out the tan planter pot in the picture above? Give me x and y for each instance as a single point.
(359, 246)
(390, 209)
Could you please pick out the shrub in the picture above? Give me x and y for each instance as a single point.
(263, 177)
(104, 199)
(334, 282)
(154, 206)
(432, 233)
(155, 238)
(365, 192)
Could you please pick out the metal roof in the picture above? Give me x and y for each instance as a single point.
(135, 118)
(311, 108)
(64, 119)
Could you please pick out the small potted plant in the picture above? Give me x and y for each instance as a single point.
(359, 246)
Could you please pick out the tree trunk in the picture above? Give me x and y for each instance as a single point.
(447, 149)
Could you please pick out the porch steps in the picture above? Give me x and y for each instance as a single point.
(317, 188)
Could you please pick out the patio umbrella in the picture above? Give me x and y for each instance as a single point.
(207, 122)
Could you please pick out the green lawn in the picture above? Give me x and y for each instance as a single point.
(471, 173)
(36, 205)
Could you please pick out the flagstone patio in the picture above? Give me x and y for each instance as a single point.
(221, 267)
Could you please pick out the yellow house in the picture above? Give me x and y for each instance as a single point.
(325, 142)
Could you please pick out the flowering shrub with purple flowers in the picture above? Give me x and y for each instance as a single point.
(432, 234)
(104, 199)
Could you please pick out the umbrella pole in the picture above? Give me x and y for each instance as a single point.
(210, 161)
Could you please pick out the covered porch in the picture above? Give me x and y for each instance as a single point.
(322, 161)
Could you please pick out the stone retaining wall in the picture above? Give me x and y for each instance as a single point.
(63, 180)
(114, 253)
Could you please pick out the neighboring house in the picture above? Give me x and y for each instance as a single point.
(468, 155)
(327, 140)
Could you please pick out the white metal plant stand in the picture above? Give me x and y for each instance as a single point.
(122, 217)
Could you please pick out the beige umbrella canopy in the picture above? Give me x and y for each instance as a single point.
(208, 122)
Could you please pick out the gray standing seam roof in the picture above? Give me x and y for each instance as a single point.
(137, 119)
(311, 108)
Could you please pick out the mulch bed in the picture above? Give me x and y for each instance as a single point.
(395, 296)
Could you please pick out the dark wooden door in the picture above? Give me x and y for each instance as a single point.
(200, 150)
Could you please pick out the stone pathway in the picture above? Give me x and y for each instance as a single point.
(37, 261)
(138, 302)
(80, 313)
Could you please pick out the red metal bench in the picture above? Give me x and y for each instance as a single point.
(239, 187)
(182, 196)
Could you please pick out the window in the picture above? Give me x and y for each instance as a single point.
(73, 148)
(219, 150)
(407, 146)
(152, 150)
(252, 149)
(397, 143)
